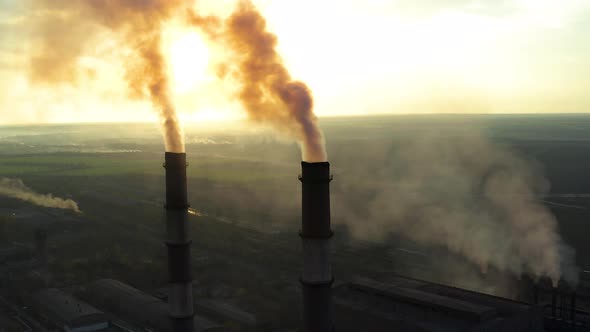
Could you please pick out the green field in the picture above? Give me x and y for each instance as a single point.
(60, 165)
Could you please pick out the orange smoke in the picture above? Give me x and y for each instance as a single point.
(63, 30)
(266, 89)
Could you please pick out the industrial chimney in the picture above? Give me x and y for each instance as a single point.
(179, 268)
(315, 234)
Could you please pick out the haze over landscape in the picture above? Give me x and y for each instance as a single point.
(456, 133)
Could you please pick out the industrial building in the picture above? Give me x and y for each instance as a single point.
(400, 304)
(224, 311)
(565, 308)
(68, 313)
(137, 307)
(10, 321)
(219, 310)
(404, 304)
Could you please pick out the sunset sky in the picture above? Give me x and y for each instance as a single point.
(358, 57)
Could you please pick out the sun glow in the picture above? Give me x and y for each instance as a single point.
(212, 115)
(189, 59)
(357, 56)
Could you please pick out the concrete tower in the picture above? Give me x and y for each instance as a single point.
(179, 262)
(316, 279)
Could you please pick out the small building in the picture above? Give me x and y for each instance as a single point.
(412, 305)
(137, 307)
(68, 313)
(226, 312)
(10, 321)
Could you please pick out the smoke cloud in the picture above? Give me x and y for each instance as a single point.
(452, 189)
(266, 89)
(15, 188)
(460, 191)
(63, 30)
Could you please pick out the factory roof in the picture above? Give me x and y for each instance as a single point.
(502, 305)
(226, 310)
(66, 309)
(407, 304)
(131, 303)
(461, 308)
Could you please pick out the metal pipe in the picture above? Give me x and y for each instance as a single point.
(563, 309)
(573, 308)
(554, 302)
(316, 279)
(180, 296)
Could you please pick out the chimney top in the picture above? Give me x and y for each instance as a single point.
(315, 164)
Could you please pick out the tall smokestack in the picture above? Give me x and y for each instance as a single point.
(315, 234)
(180, 296)
(554, 302)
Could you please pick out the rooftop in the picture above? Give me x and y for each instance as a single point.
(67, 309)
(466, 310)
(131, 303)
(405, 304)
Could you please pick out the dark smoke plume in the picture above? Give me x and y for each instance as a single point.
(266, 89)
(63, 30)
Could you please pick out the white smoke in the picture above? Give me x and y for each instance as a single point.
(15, 188)
(461, 191)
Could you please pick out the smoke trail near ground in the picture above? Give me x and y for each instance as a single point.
(62, 30)
(15, 188)
(458, 190)
(266, 89)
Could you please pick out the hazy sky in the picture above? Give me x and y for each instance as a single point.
(358, 56)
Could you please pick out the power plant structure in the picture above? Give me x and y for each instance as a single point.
(141, 309)
(316, 231)
(180, 297)
(377, 303)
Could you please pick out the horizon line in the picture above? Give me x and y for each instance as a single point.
(242, 121)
